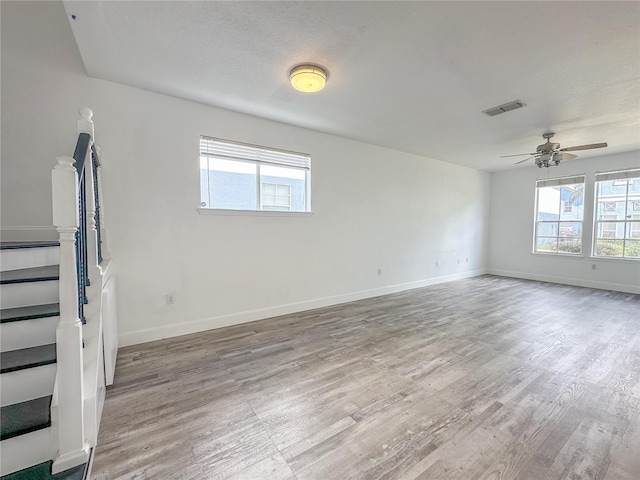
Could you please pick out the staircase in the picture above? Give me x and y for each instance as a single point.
(28, 321)
(58, 336)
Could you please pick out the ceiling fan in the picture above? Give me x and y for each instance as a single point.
(550, 153)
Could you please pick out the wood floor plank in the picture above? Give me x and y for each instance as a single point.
(477, 379)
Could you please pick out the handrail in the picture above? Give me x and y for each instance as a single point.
(79, 155)
(95, 163)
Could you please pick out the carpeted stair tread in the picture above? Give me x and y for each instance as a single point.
(27, 358)
(43, 472)
(34, 274)
(28, 313)
(30, 244)
(25, 417)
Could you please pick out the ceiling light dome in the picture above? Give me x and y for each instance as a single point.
(308, 78)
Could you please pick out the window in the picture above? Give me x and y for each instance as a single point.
(238, 176)
(559, 212)
(276, 197)
(616, 228)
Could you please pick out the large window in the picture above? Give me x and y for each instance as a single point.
(238, 176)
(617, 223)
(559, 212)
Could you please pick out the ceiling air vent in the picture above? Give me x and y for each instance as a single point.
(507, 107)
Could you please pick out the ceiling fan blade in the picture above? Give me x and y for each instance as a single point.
(522, 161)
(583, 147)
(517, 155)
(564, 156)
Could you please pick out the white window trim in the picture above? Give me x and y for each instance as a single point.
(256, 213)
(558, 182)
(260, 155)
(628, 175)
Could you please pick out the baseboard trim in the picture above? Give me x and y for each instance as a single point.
(23, 233)
(576, 282)
(174, 330)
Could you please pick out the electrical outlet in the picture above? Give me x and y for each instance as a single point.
(379, 271)
(593, 266)
(436, 264)
(467, 259)
(458, 261)
(169, 299)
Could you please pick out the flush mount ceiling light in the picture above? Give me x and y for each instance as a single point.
(308, 78)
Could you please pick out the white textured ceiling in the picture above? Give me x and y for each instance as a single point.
(412, 76)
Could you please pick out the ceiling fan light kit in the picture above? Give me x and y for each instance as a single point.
(550, 153)
(308, 78)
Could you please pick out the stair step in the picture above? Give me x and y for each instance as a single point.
(43, 472)
(21, 418)
(28, 313)
(28, 384)
(27, 358)
(35, 274)
(29, 244)
(26, 450)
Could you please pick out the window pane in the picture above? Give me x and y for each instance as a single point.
(232, 184)
(268, 199)
(572, 197)
(633, 229)
(570, 246)
(268, 188)
(549, 229)
(290, 183)
(573, 229)
(283, 201)
(548, 203)
(632, 249)
(548, 245)
(609, 247)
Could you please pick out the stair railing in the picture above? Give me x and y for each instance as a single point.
(78, 219)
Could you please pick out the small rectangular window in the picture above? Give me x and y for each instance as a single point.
(559, 212)
(239, 176)
(616, 228)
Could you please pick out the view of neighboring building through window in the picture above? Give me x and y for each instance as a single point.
(617, 216)
(237, 176)
(559, 213)
(276, 196)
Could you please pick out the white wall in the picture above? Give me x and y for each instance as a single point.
(43, 86)
(374, 208)
(511, 229)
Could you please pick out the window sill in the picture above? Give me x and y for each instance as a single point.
(257, 213)
(576, 256)
(614, 259)
(589, 257)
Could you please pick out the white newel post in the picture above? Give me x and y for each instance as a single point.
(72, 447)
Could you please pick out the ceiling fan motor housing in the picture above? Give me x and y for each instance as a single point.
(548, 147)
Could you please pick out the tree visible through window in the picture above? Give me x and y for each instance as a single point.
(238, 176)
(559, 213)
(616, 227)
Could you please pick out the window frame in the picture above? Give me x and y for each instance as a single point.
(558, 182)
(630, 222)
(259, 156)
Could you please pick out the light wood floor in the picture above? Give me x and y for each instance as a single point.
(486, 378)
